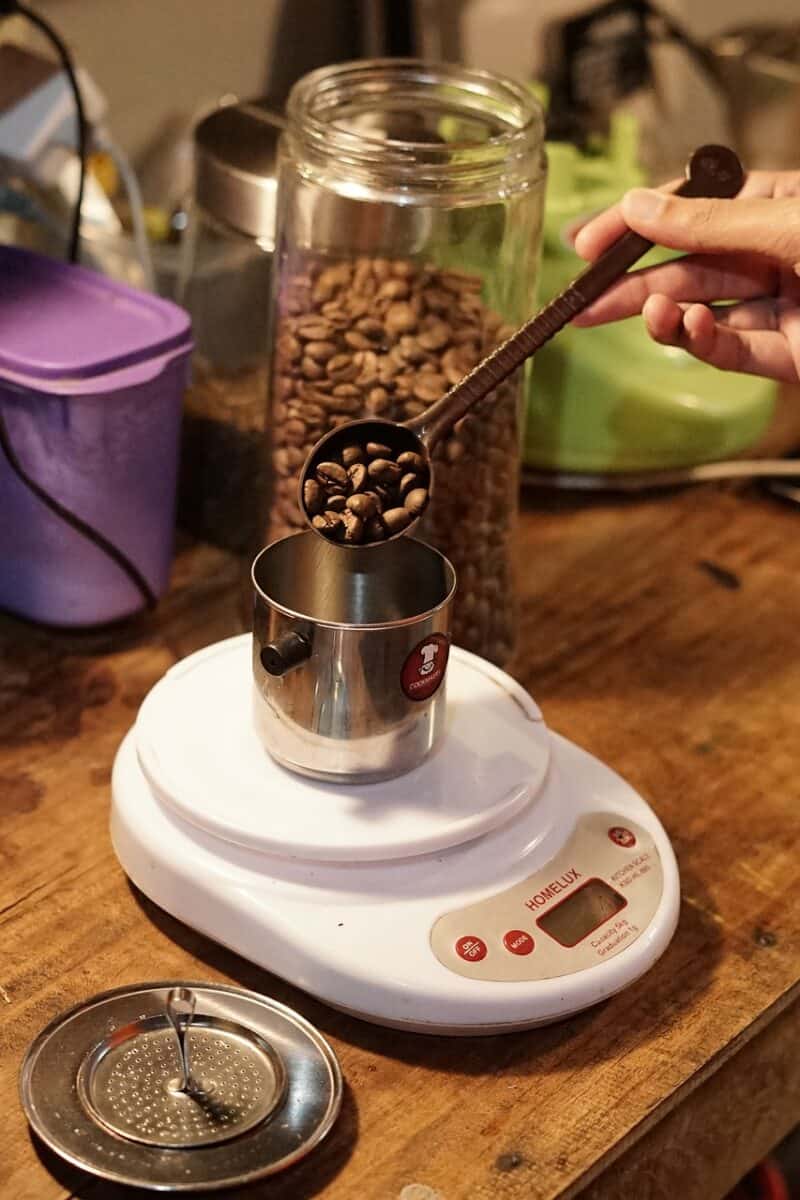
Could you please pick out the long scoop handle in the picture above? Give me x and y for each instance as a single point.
(711, 171)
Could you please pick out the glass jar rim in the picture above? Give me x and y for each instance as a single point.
(514, 155)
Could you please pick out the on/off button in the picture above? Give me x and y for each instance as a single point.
(518, 941)
(473, 949)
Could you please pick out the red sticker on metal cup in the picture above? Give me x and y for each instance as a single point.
(423, 670)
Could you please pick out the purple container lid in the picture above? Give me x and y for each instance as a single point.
(63, 322)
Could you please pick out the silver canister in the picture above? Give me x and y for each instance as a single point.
(350, 655)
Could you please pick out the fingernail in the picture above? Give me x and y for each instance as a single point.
(642, 204)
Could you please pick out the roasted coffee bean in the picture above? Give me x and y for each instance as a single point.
(352, 455)
(342, 406)
(400, 318)
(375, 530)
(313, 497)
(377, 401)
(331, 473)
(383, 470)
(409, 481)
(412, 461)
(357, 340)
(314, 414)
(363, 506)
(416, 501)
(394, 289)
(435, 336)
(357, 474)
(336, 502)
(342, 368)
(330, 524)
(371, 328)
(396, 519)
(289, 348)
(384, 495)
(295, 431)
(337, 315)
(353, 527)
(410, 352)
(378, 450)
(430, 388)
(313, 329)
(413, 408)
(311, 370)
(320, 351)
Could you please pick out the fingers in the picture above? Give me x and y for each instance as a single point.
(752, 315)
(599, 233)
(604, 229)
(698, 277)
(767, 227)
(777, 184)
(694, 328)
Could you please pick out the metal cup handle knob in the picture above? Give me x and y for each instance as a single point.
(285, 653)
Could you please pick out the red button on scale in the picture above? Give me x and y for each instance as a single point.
(518, 941)
(471, 948)
(621, 836)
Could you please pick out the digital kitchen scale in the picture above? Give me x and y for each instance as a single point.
(508, 881)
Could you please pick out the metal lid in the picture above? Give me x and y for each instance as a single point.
(235, 157)
(236, 1090)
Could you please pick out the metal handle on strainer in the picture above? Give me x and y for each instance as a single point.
(181, 1004)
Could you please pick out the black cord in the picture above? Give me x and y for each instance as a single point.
(76, 522)
(7, 8)
(69, 68)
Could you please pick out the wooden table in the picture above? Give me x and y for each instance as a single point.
(661, 634)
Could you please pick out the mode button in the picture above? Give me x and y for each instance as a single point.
(518, 941)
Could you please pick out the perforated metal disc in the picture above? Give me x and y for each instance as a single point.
(132, 1086)
(98, 1085)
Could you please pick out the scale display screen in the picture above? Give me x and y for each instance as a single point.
(581, 913)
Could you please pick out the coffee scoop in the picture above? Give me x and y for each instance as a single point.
(371, 480)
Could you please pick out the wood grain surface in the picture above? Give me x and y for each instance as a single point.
(660, 634)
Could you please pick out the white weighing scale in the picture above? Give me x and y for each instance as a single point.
(509, 881)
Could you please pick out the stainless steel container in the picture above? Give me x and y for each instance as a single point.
(350, 655)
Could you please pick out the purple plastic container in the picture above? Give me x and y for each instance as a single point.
(92, 375)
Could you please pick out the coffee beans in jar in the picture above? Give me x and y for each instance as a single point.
(375, 337)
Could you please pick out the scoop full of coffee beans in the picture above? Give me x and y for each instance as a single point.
(366, 492)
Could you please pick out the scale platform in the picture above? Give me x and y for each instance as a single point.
(509, 881)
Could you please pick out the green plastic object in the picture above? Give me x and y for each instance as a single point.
(610, 399)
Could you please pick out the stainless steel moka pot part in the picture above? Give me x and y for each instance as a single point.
(711, 171)
(180, 1087)
(350, 655)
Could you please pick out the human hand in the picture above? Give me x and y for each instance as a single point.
(746, 250)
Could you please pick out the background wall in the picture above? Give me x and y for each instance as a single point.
(156, 59)
(505, 35)
(159, 58)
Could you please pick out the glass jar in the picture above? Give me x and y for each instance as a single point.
(410, 205)
(224, 283)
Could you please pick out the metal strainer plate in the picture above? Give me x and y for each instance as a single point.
(131, 1084)
(101, 1087)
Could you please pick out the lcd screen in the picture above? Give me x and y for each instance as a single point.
(586, 909)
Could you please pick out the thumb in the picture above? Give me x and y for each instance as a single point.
(767, 227)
